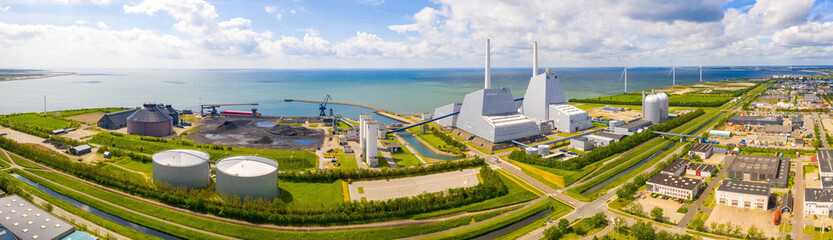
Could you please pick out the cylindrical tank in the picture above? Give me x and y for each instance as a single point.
(663, 106)
(362, 119)
(189, 168)
(247, 176)
(651, 109)
(532, 151)
(150, 121)
(543, 150)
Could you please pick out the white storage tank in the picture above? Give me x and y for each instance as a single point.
(189, 168)
(370, 140)
(532, 151)
(651, 108)
(663, 107)
(248, 176)
(543, 150)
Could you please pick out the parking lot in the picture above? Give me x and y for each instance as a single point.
(669, 206)
(412, 186)
(745, 218)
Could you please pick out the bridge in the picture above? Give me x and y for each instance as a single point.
(682, 136)
(432, 120)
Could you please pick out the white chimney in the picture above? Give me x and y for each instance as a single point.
(488, 68)
(534, 59)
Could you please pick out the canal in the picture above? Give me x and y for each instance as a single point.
(422, 149)
(96, 211)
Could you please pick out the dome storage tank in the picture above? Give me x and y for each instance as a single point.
(247, 176)
(150, 120)
(663, 107)
(189, 168)
(543, 150)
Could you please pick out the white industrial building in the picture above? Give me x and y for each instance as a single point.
(702, 150)
(545, 102)
(817, 201)
(655, 107)
(248, 176)
(674, 186)
(181, 167)
(371, 148)
(445, 110)
(743, 194)
(582, 143)
(825, 160)
(491, 113)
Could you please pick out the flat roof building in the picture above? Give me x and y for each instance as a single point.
(701, 149)
(27, 221)
(825, 160)
(682, 167)
(676, 168)
(80, 149)
(743, 194)
(755, 120)
(631, 127)
(582, 143)
(680, 187)
(774, 170)
(817, 201)
(779, 129)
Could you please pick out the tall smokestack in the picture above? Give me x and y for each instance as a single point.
(488, 67)
(534, 59)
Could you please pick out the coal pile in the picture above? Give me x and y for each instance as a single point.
(293, 131)
(58, 145)
(263, 140)
(231, 125)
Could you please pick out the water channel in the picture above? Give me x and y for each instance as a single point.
(422, 149)
(97, 212)
(502, 231)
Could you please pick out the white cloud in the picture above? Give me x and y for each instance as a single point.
(278, 16)
(63, 2)
(271, 9)
(372, 2)
(780, 14)
(811, 34)
(4, 9)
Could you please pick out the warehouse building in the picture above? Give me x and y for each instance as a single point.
(825, 160)
(676, 168)
(445, 110)
(773, 170)
(582, 143)
(150, 120)
(755, 120)
(682, 167)
(742, 194)
(702, 150)
(778, 129)
(817, 201)
(631, 127)
(27, 221)
(115, 120)
(80, 150)
(797, 122)
(604, 138)
(680, 187)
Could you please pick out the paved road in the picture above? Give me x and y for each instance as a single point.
(797, 220)
(698, 204)
(823, 134)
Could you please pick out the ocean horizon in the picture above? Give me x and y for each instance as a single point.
(408, 91)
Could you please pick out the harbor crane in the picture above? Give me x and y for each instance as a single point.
(323, 106)
(213, 107)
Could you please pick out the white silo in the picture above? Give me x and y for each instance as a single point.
(531, 151)
(189, 168)
(651, 108)
(543, 150)
(362, 119)
(663, 107)
(370, 140)
(248, 176)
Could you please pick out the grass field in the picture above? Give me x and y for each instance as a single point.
(75, 112)
(38, 120)
(503, 221)
(406, 157)
(673, 100)
(23, 163)
(383, 162)
(550, 179)
(347, 162)
(138, 166)
(559, 210)
(289, 160)
(432, 140)
(123, 172)
(231, 230)
(326, 193)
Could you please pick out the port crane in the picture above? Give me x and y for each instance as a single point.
(213, 107)
(323, 106)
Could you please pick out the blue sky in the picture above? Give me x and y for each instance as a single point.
(66, 34)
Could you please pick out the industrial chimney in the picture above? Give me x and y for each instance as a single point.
(535, 59)
(488, 67)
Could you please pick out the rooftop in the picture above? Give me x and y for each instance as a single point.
(818, 195)
(611, 135)
(753, 188)
(636, 123)
(27, 221)
(702, 147)
(825, 161)
(674, 181)
(756, 164)
(676, 165)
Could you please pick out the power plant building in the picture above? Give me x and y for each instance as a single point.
(450, 121)
(150, 120)
(115, 120)
(188, 168)
(247, 176)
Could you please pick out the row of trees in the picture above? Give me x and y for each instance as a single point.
(451, 144)
(727, 229)
(682, 101)
(598, 154)
(581, 228)
(332, 174)
(275, 211)
(38, 131)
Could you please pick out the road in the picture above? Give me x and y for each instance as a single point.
(698, 204)
(798, 204)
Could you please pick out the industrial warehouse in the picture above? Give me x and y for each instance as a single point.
(742, 194)
(773, 170)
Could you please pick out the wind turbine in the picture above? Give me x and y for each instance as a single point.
(624, 73)
(701, 72)
(673, 73)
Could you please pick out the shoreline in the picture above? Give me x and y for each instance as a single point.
(32, 77)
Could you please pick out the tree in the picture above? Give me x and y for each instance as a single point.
(721, 228)
(713, 226)
(643, 231)
(657, 214)
(552, 233)
(697, 224)
(752, 232)
(563, 225)
(737, 231)
(636, 208)
(619, 224)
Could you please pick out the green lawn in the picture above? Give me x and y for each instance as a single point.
(516, 194)
(123, 172)
(74, 112)
(406, 157)
(383, 162)
(347, 162)
(134, 165)
(432, 140)
(673, 100)
(38, 120)
(311, 192)
(559, 210)
(231, 230)
(23, 163)
(289, 160)
(494, 225)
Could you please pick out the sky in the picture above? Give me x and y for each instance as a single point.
(371, 34)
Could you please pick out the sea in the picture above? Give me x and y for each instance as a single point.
(408, 91)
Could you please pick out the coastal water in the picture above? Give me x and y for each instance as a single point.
(404, 91)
